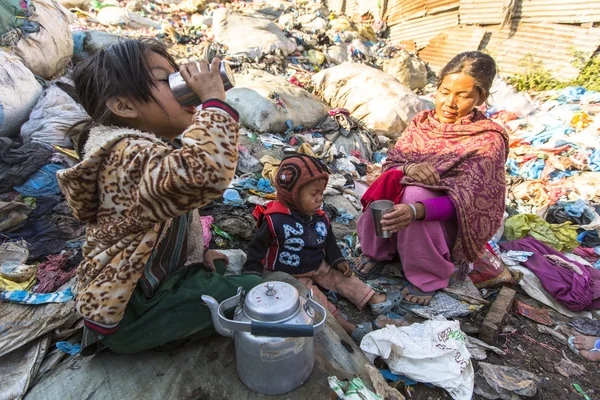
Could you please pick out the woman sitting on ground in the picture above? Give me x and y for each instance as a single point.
(451, 164)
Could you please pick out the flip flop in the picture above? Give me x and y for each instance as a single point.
(394, 298)
(361, 331)
(571, 345)
(374, 272)
(417, 292)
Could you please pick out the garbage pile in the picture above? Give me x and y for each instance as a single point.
(309, 82)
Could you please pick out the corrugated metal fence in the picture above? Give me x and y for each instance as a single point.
(548, 30)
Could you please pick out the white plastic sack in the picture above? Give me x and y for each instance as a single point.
(337, 54)
(410, 70)
(432, 352)
(19, 90)
(256, 97)
(98, 40)
(48, 51)
(375, 98)
(52, 117)
(112, 16)
(249, 36)
(504, 97)
(81, 4)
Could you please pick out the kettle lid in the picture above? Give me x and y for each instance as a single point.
(272, 301)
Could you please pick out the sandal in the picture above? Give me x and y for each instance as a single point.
(394, 298)
(361, 331)
(571, 345)
(374, 272)
(412, 289)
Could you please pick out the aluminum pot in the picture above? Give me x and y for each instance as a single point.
(186, 97)
(273, 329)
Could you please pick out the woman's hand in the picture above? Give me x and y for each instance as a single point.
(211, 256)
(207, 84)
(397, 219)
(423, 172)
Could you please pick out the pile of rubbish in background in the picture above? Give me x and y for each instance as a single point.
(310, 82)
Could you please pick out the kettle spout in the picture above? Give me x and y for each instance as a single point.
(213, 306)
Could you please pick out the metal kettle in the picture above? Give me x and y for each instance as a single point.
(273, 329)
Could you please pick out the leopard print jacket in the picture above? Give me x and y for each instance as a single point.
(128, 188)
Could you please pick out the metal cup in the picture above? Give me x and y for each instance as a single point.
(186, 97)
(378, 209)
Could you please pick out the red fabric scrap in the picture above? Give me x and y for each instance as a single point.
(52, 274)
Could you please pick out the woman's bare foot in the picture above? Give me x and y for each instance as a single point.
(363, 267)
(415, 295)
(584, 344)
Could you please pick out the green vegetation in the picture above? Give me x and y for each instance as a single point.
(589, 75)
(536, 77)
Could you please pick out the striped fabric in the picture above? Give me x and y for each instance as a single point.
(168, 257)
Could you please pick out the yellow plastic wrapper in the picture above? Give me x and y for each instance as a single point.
(316, 57)
(340, 24)
(562, 237)
(581, 120)
(368, 33)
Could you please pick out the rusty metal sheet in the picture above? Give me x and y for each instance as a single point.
(554, 44)
(482, 12)
(560, 11)
(449, 43)
(403, 10)
(421, 30)
(393, 12)
(372, 6)
(489, 12)
(351, 8)
(335, 6)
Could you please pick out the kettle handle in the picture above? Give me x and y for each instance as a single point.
(317, 327)
(287, 330)
(269, 328)
(281, 330)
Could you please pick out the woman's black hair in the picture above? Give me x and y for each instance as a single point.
(119, 70)
(479, 66)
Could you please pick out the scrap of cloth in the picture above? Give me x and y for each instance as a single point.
(18, 162)
(387, 187)
(574, 285)
(53, 273)
(469, 155)
(27, 297)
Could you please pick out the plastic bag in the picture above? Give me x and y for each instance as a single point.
(265, 102)
(19, 90)
(375, 98)
(432, 352)
(48, 51)
(249, 36)
(122, 16)
(51, 118)
(316, 57)
(410, 70)
(337, 54)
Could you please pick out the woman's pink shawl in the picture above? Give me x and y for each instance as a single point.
(469, 156)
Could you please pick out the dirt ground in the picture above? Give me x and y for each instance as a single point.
(526, 348)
